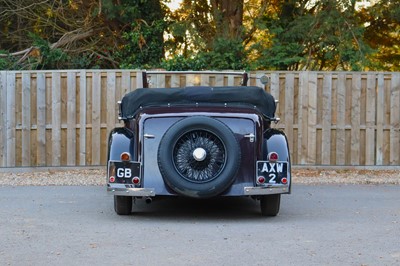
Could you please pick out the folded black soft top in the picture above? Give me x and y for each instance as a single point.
(254, 97)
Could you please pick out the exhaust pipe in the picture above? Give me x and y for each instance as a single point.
(148, 200)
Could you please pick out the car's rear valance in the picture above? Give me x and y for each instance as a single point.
(254, 97)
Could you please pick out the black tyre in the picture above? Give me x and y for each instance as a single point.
(199, 157)
(270, 204)
(123, 205)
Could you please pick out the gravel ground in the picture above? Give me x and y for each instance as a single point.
(96, 177)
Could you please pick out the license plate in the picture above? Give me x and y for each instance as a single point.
(124, 171)
(272, 172)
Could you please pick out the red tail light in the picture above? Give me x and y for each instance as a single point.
(136, 180)
(273, 156)
(261, 179)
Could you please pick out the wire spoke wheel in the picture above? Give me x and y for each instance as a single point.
(196, 169)
(199, 157)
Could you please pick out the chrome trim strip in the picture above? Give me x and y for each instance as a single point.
(266, 190)
(136, 192)
(149, 136)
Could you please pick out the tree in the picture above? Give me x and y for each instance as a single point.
(212, 34)
(203, 34)
(314, 35)
(79, 34)
(382, 33)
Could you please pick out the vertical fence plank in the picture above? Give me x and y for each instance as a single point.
(370, 120)
(275, 91)
(289, 100)
(190, 80)
(303, 118)
(204, 80)
(219, 80)
(380, 110)
(159, 81)
(326, 119)
(26, 119)
(41, 118)
(231, 80)
(312, 118)
(139, 79)
(71, 118)
(10, 120)
(111, 102)
(175, 81)
(82, 117)
(125, 83)
(3, 118)
(341, 119)
(395, 119)
(56, 118)
(355, 119)
(96, 102)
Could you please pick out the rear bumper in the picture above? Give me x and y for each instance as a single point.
(150, 192)
(267, 190)
(133, 192)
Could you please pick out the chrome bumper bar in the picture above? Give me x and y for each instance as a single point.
(278, 189)
(134, 192)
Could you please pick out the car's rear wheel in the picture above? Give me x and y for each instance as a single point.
(270, 204)
(199, 157)
(123, 205)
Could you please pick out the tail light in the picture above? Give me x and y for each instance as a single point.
(273, 156)
(125, 156)
(261, 179)
(136, 180)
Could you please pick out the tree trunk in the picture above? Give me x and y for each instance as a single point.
(228, 15)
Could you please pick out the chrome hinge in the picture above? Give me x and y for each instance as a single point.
(251, 137)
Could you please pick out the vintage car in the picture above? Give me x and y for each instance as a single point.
(199, 142)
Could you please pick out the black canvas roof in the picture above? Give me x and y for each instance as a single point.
(250, 96)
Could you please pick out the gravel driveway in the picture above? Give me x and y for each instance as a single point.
(89, 177)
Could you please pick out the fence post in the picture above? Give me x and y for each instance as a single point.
(3, 118)
(10, 120)
(41, 118)
(395, 119)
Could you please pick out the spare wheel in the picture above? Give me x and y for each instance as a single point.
(199, 157)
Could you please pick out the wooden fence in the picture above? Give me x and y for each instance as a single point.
(62, 118)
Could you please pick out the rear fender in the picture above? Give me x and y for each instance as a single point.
(275, 141)
(120, 140)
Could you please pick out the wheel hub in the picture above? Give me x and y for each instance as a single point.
(199, 154)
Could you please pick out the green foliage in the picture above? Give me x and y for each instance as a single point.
(326, 36)
(49, 58)
(225, 54)
(143, 48)
(277, 35)
(6, 62)
(382, 32)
